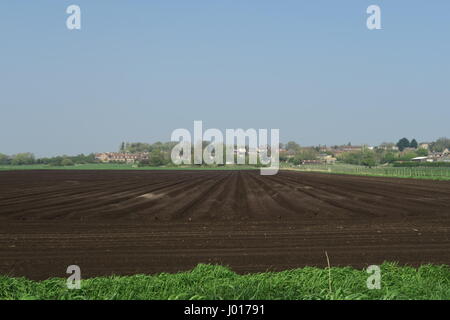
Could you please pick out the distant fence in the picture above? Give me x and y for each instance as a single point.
(426, 172)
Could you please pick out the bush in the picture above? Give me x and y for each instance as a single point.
(22, 158)
(4, 159)
(144, 163)
(366, 158)
(157, 158)
(67, 162)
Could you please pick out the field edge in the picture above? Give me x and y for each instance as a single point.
(215, 282)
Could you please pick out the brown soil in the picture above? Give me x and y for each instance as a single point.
(127, 222)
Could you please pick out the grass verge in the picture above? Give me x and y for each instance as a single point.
(217, 282)
(445, 177)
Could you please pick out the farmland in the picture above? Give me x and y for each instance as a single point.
(130, 222)
(118, 166)
(417, 172)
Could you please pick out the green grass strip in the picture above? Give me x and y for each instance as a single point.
(217, 282)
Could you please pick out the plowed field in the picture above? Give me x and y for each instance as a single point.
(127, 222)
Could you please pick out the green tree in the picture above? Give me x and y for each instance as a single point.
(307, 154)
(55, 161)
(402, 144)
(413, 144)
(440, 145)
(4, 159)
(386, 145)
(421, 152)
(23, 158)
(292, 146)
(388, 157)
(144, 163)
(137, 147)
(368, 159)
(407, 156)
(67, 162)
(156, 158)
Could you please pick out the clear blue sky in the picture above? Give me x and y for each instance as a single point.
(137, 70)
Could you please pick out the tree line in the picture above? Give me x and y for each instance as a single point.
(293, 153)
(28, 158)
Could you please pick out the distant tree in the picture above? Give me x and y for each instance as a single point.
(407, 156)
(67, 162)
(292, 146)
(144, 163)
(55, 161)
(156, 158)
(4, 159)
(387, 145)
(421, 152)
(295, 161)
(283, 157)
(167, 146)
(440, 145)
(368, 159)
(402, 144)
(413, 144)
(90, 158)
(23, 158)
(78, 159)
(122, 147)
(388, 157)
(307, 154)
(159, 145)
(137, 147)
